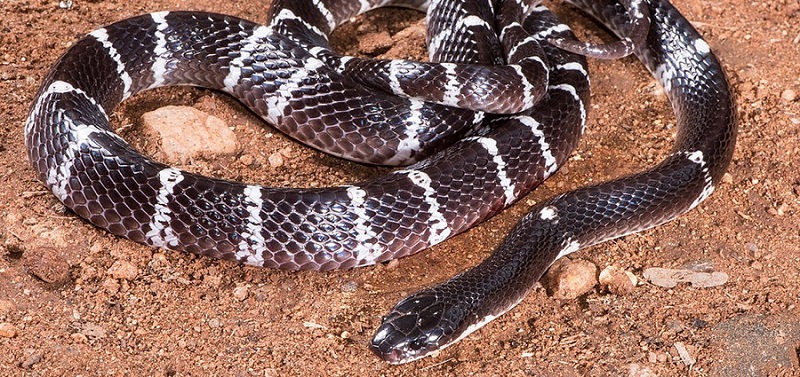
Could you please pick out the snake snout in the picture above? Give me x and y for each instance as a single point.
(418, 326)
(401, 339)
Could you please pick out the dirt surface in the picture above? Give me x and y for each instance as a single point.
(76, 301)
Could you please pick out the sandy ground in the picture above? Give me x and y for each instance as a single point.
(119, 308)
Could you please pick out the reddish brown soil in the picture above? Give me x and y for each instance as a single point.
(177, 314)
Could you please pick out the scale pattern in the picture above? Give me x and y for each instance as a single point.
(702, 100)
(492, 161)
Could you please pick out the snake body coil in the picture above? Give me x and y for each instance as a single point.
(102, 179)
(467, 165)
(701, 97)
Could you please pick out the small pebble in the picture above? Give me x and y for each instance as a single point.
(32, 359)
(111, 286)
(287, 152)
(240, 293)
(727, 178)
(247, 159)
(7, 330)
(214, 323)
(662, 357)
(275, 160)
(753, 251)
(123, 270)
(392, 264)
(789, 95)
(617, 280)
(570, 279)
(6, 307)
(781, 210)
(47, 264)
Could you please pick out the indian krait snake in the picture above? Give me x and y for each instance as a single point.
(494, 161)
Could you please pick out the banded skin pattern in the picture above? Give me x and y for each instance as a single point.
(466, 164)
(702, 100)
(102, 179)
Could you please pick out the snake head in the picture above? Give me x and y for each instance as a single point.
(418, 326)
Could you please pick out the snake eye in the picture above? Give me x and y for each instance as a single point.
(418, 343)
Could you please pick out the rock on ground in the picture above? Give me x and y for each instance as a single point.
(186, 133)
(570, 279)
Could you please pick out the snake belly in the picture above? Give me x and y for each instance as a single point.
(702, 100)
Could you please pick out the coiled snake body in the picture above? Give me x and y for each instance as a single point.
(288, 75)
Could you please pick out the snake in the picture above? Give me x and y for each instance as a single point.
(465, 156)
(703, 102)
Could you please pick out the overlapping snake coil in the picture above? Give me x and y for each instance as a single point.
(467, 162)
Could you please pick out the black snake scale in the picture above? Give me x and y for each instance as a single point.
(287, 74)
